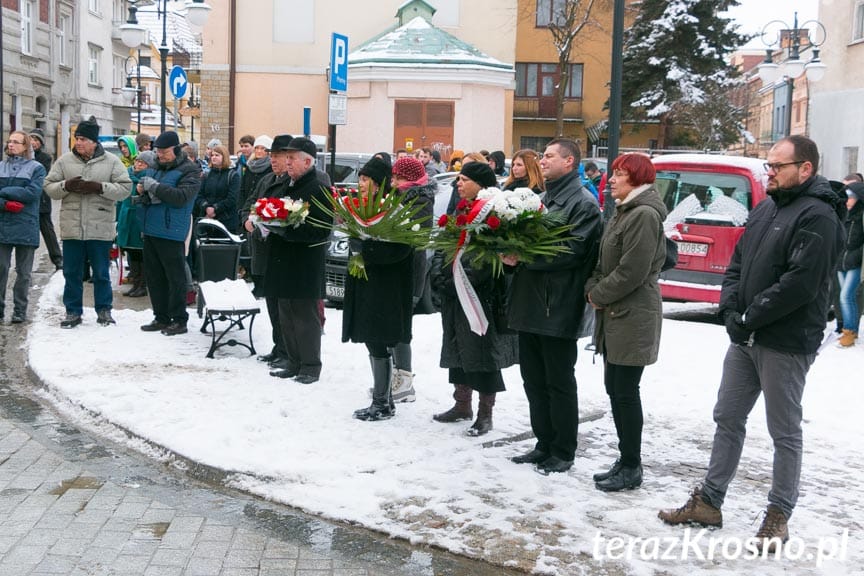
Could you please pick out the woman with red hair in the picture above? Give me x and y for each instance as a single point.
(625, 294)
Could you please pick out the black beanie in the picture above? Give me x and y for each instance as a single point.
(480, 173)
(385, 156)
(88, 129)
(376, 169)
(167, 139)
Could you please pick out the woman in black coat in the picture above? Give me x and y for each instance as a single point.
(220, 191)
(474, 362)
(849, 269)
(377, 310)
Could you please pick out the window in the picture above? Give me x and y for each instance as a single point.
(548, 11)
(858, 22)
(28, 16)
(64, 33)
(93, 57)
(850, 159)
(93, 6)
(533, 80)
(536, 143)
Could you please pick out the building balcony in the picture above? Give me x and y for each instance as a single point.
(544, 109)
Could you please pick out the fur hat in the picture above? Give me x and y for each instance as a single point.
(409, 168)
(264, 141)
(88, 129)
(167, 139)
(376, 169)
(480, 173)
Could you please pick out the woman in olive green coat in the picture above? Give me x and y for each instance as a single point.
(629, 311)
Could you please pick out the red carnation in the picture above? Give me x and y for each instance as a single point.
(282, 213)
(493, 222)
(461, 220)
(462, 205)
(442, 221)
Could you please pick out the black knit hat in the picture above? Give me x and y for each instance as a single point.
(376, 169)
(88, 129)
(168, 139)
(480, 173)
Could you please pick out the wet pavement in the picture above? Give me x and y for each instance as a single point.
(72, 502)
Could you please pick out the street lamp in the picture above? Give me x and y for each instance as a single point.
(134, 94)
(792, 67)
(134, 34)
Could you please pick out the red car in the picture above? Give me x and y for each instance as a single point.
(709, 199)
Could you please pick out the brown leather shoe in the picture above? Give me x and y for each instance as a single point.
(774, 531)
(695, 511)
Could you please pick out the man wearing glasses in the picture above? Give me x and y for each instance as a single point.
(774, 302)
(20, 190)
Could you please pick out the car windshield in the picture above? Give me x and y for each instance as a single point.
(704, 197)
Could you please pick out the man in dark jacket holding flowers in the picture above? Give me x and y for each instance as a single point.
(295, 264)
(546, 308)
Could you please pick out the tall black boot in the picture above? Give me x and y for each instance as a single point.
(134, 275)
(381, 407)
(140, 288)
(483, 424)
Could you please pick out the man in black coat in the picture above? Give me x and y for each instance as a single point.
(46, 226)
(774, 302)
(546, 308)
(295, 263)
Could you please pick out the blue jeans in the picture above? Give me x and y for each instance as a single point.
(849, 280)
(75, 252)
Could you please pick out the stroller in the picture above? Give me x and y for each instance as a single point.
(217, 254)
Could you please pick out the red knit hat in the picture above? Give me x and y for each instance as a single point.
(409, 168)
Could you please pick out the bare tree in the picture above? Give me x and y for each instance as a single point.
(571, 24)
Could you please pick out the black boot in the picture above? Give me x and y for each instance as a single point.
(483, 424)
(134, 276)
(626, 478)
(462, 409)
(381, 407)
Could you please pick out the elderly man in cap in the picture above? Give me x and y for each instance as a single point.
(46, 226)
(89, 183)
(167, 201)
(294, 275)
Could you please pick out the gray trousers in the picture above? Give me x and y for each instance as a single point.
(747, 372)
(23, 268)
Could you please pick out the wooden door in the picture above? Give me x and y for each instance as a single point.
(421, 123)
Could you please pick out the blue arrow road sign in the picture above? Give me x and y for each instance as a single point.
(339, 63)
(178, 82)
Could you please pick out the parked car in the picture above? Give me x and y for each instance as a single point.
(708, 198)
(347, 167)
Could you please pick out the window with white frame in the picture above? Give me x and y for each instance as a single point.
(858, 22)
(94, 54)
(93, 6)
(28, 25)
(549, 11)
(64, 33)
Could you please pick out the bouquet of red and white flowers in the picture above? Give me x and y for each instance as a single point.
(496, 223)
(378, 216)
(509, 222)
(279, 212)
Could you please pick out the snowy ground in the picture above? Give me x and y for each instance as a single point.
(427, 482)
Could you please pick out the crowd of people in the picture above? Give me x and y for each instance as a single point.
(774, 300)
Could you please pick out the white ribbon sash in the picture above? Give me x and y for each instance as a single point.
(468, 298)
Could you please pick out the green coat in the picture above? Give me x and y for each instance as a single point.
(624, 283)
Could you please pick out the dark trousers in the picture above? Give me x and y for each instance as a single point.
(622, 386)
(49, 236)
(301, 333)
(165, 268)
(547, 366)
(276, 328)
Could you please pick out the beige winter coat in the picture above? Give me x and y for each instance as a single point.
(89, 216)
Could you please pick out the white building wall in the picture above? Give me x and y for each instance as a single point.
(837, 127)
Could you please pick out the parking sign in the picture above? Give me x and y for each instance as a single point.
(339, 63)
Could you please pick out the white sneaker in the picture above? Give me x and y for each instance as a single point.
(402, 385)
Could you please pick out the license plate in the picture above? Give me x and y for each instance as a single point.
(335, 291)
(693, 249)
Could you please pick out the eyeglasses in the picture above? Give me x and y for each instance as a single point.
(776, 166)
(15, 142)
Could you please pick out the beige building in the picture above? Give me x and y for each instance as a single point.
(265, 64)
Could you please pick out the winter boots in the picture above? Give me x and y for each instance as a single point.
(461, 410)
(483, 424)
(403, 386)
(382, 406)
(695, 511)
(847, 338)
(774, 531)
(136, 276)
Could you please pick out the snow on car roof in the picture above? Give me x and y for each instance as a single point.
(755, 165)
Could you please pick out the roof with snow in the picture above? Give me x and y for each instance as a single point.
(418, 43)
(180, 36)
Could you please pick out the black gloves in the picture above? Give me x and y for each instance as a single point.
(80, 186)
(738, 333)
